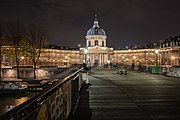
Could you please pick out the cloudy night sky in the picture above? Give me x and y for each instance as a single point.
(126, 22)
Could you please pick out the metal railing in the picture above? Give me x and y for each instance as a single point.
(53, 103)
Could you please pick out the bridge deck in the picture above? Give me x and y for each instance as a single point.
(135, 96)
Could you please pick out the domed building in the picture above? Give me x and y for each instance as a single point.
(96, 36)
(96, 52)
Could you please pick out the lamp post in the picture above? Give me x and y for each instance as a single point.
(85, 54)
(156, 52)
(134, 57)
(146, 61)
(108, 62)
(22, 60)
(172, 59)
(123, 59)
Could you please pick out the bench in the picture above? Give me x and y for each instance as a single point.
(122, 72)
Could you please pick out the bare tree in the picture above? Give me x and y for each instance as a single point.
(16, 33)
(38, 39)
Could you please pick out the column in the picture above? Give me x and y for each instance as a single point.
(103, 58)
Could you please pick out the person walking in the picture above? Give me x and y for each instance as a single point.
(139, 68)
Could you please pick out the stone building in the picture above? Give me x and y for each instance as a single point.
(96, 53)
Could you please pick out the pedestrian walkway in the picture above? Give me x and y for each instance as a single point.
(135, 96)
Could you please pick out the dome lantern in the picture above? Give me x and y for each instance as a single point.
(95, 24)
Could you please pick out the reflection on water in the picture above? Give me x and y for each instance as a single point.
(21, 100)
(10, 101)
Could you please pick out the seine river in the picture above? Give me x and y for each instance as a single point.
(9, 101)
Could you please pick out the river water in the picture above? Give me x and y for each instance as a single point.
(9, 101)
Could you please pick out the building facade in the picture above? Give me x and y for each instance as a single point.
(96, 53)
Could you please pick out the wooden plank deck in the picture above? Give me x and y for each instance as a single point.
(135, 96)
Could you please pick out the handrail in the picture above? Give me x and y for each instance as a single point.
(37, 99)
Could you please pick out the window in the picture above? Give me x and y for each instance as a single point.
(96, 42)
(103, 43)
(89, 43)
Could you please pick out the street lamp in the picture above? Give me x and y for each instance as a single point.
(22, 57)
(156, 52)
(134, 61)
(134, 57)
(22, 60)
(123, 61)
(65, 61)
(108, 62)
(172, 59)
(85, 53)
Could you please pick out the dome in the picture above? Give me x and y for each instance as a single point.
(96, 30)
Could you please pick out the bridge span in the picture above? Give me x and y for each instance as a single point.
(135, 96)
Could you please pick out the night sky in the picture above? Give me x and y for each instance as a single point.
(126, 22)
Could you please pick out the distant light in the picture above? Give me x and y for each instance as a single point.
(134, 57)
(156, 51)
(22, 57)
(79, 45)
(85, 51)
(172, 57)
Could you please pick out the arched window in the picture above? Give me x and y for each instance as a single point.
(103, 43)
(89, 43)
(96, 42)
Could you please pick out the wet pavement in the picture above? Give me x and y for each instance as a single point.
(135, 96)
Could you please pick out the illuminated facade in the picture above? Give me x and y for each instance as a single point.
(59, 57)
(96, 53)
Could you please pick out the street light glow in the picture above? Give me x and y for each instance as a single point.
(85, 51)
(156, 51)
(85, 55)
(22, 57)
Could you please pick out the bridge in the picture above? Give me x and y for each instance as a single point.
(135, 96)
(105, 95)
